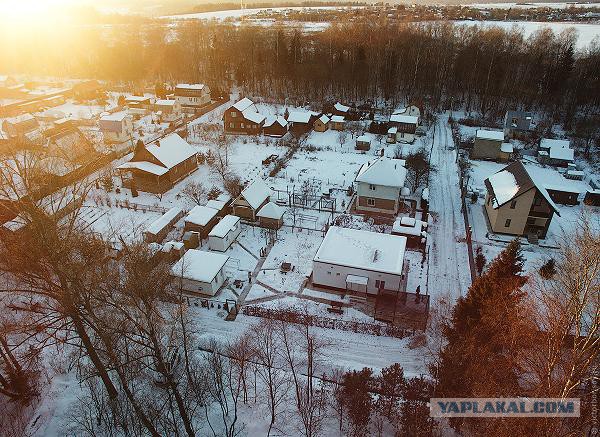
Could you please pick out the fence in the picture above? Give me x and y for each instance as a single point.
(291, 316)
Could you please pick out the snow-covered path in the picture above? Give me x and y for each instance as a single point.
(449, 269)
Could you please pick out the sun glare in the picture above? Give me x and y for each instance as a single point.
(27, 12)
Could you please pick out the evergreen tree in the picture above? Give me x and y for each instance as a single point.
(414, 411)
(359, 401)
(485, 325)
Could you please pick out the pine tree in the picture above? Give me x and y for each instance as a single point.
(484, 327)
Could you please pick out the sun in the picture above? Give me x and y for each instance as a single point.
(26, 12)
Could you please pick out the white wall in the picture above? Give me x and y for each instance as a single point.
(380, 192)
(337, 277)
(198, 287)
(222, 244)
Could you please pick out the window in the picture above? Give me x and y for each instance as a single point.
(372, 187)
(513, 204)
(507, 223)
(380, 285)
(329, 273)
(233, 114)
(370, 202)
(337, 274)
(242, 125)
(231, 125)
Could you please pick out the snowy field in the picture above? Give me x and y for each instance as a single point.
(530, 5)
(586, 32)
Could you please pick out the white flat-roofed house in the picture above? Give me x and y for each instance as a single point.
(363, 261)
(224, 233)
(252, 199)
(199, 272)
(117, 127)
(201, 219)
(379, 184)
(488, 145)
(168, 110)
(406, 126)
(192, 94)
(157, 167)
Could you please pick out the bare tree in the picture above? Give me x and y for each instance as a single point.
(195, 191)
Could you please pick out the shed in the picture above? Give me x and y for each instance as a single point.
(271, 216)
(391, 135)
(363, 143)
(201, 219)
(412, 229)
(199, 272)
(321, 124)
(221, 206)
(159, 228)
(252, 198)
(592, 198)
(338, 122)
(224, 233)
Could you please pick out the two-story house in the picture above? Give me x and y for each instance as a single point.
(157, 167)
(117, 127)
(406, 127)
(243, 118)
(515, 204)
(379, 184)
(192, 95)
(168, 110)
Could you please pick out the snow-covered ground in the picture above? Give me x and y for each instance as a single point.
(530, 5)
(586, 32)
(238, 13)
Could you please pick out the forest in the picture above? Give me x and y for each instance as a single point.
(438, 64)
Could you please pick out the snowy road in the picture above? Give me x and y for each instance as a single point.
(449, 269)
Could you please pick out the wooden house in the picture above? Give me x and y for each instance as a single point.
(193, 95)
(201, 219)
(488, 145)
(157, 167)
(338, 122)
(275, 127)
(243, 118)
(300, 122)
(379, 184)
(321, 124)
(117, 127)
(363, 143)
(159, 228)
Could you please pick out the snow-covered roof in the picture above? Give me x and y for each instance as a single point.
(224, 197)
(200, 266)
(171, 150)
(271, 211)
(256, 192)
(170, 245)
(299, 117)
(362, 250)
(164, 102)
(342, 108)
(117, 116)
(514, 180)
(190, 86)
(226, 224)
(393, 130)
(506, 148)
(364, 139)
(504, 185)
(495, 135)
(408, 226)
(271, 120)
(243, 104)
(216, 204)
(383, 171)
(137, 98)
(159, 224)
(407, 119)
(562, 154)
(148, 167)
(549, 143)
(324, 119)
(201, 215)
(338, 119)
(20, 119)
(253, 116)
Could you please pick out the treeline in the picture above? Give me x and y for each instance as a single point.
(485, 70)
(212, 7)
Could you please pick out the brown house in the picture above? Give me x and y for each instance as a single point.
(516, 205)
(321, 124)
(201, 219)
(271, 216)
(252, 199)
(157, 167)
(243, 118)
(275, 126)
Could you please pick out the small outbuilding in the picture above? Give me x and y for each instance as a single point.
(201, 219)
(220, 205)
(199, 272)
(363, 143)
(338, 122)
(412, 229)
(252, 199)
(275, 127)
(160, 227)
(321, 124)
(488, 145)
(271, 216)
(224, 233)
(391, 135)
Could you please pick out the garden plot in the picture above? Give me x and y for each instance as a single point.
(297, 248)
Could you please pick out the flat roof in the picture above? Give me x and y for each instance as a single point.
(226, 224)
(200, 266)
(201, 215)
(363, 250)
